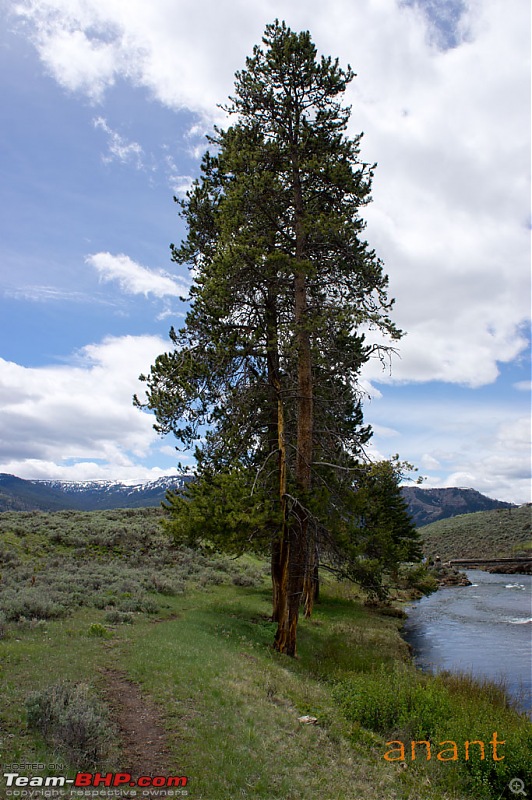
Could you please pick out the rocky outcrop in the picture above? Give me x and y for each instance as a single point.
(452, 577)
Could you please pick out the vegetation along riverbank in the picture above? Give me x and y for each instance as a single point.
(159, 660)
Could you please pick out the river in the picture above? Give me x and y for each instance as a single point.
(484, 629)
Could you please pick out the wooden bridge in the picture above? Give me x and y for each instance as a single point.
(469, 562)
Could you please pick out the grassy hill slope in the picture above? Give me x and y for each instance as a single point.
(501, 533)
(107, 604)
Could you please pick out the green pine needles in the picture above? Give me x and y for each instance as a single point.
(264, 376)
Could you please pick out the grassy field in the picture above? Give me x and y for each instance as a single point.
(502, 533)
(84, 596)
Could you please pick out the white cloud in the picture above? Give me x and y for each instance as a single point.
(80, 413)
(450, 131)
(449, 128)
(462, 346)
(78, 45)
(134, 278)
(483, 445)
(384, 432)
(45, 294)
(87, 44)
(428, 462)
(180, 184)
(119, 148)
(452, 199)
(170, 313)
(124, 470)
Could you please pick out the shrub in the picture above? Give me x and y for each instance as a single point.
(420, 578)
(162, 585)
(8, 557)
(99, 631)
(73, 721)
(119, 617)
(243, 580)
(138, 603)
(102, 601)
(31, 603)
(208, 577)
(25, 624)
(250, 576)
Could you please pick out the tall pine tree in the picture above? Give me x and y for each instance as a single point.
(283, 286)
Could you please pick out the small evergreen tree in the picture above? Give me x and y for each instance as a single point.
(380, 533)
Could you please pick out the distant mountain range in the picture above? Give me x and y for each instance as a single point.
(16, 494)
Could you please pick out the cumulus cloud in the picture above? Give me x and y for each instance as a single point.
(134, 278)
(87, 45)
(79, 412)
(501, 468)
(78, 45)
(443, 96)
(443, 99)
(484, 445)
(451, 202)
(125, 470)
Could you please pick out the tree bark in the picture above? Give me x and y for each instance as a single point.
(300, 545)
(311, 588)
(281, 545)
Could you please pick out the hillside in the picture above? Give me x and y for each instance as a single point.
(16, 494)
(429, 505)
(500, 533)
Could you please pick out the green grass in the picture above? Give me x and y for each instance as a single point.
(405, 706)
(230, 704)
(501, 533)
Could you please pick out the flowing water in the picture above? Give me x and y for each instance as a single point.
(484, 629)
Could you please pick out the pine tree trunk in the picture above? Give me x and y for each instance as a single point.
(277, 443)
(311, 585)
(302, 566)
(298, 533)
(281, 545)
(294, 544)
(316, 582)
(305, 412)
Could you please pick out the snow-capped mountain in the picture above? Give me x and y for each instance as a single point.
(77, 487)
(17, 494)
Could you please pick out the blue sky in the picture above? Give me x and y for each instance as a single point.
(104, 109)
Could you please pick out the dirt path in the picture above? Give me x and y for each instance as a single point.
(143, 738)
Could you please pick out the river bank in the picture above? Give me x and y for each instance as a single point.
(482, 629)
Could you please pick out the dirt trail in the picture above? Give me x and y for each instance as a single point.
(143, 738)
